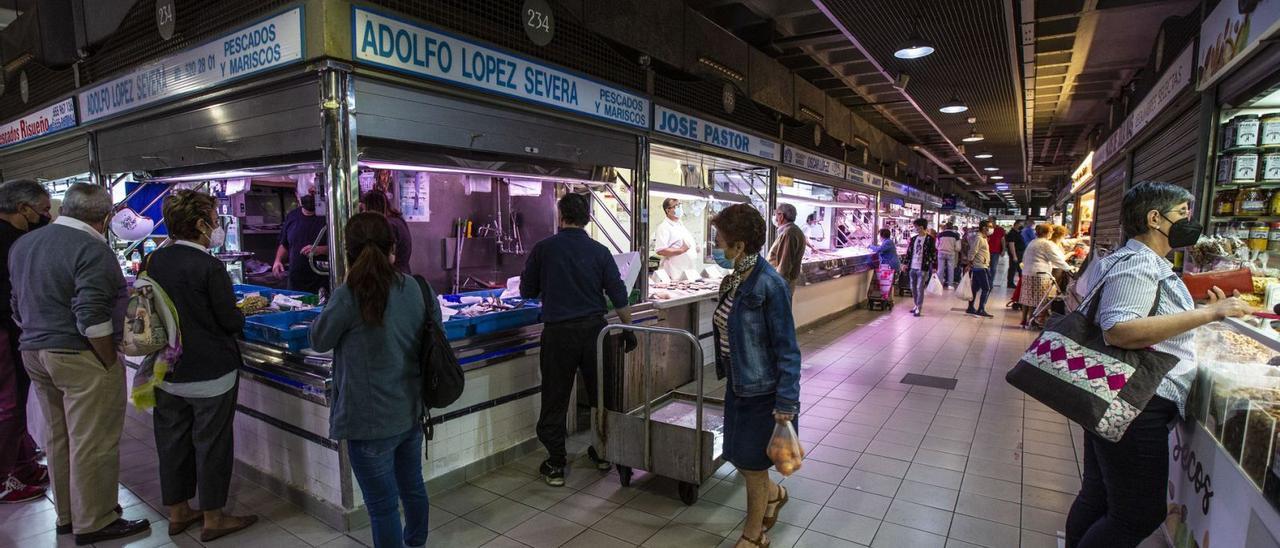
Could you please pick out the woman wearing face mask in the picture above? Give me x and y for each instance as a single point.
(195, 405)
(756, 349)
(1143, 304)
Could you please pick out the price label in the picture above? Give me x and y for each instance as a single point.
(539, 21)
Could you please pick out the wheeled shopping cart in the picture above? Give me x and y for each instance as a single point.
(686, 429)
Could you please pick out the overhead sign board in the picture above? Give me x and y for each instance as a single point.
(1231, 32)
(1083, 174)
(33, 125)
(808, 161)
(1174, 79)
(265, 45)
(693, 128)
(419, 50)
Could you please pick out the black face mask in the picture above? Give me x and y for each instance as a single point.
(1182, 233)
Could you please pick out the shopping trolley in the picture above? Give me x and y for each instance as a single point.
(1054, 299)
(688, 428)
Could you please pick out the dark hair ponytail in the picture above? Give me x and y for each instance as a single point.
(369, 244)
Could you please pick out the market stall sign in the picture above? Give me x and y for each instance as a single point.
(46, 121)
(855, 175)
(1174, 79)
(1210, 497)
(1231, 32)
(812, 162)
(1083, 174)
(696, 129)
(265, 45)
(423, 51)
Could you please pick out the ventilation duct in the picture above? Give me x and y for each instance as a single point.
(57, 33)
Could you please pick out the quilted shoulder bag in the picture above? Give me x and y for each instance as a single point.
(1071, 369)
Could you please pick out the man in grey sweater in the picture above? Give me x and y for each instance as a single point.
(69, 299)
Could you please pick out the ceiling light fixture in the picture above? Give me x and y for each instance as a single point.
(973, 136)
(984, 155)
(996, 177)
(991, 168)
(954, 106)
(915, 46)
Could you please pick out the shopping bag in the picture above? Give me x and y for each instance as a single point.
(784, 448)
(935, 286)
(964, 288)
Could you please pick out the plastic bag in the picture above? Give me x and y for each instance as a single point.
(934, 287)
(784, 448)
(964, 288)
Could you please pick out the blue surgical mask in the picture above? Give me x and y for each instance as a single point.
(678, 212)
(724, 262)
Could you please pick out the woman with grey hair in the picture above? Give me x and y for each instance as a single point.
(1143, 304)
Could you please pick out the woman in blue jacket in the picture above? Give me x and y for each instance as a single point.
(756, 350)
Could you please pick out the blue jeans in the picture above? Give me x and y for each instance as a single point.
(389, 471)
(919, 281)
(947, 268)
(981, 287)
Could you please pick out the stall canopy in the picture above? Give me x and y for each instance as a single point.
(57, 159)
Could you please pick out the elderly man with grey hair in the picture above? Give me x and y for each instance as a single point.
(70, 307)
(788, 246)
(24, 205)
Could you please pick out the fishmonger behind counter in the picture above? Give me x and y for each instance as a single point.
(297, 242)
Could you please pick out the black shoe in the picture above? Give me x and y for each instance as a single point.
(600, 463)
(553, 475)
(970, 312)
(119, 528)
(983, 313)
(66, 529)
(916, 313)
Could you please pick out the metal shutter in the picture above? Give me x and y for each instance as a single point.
(60, 158)
(1107, 230)
(1170, 155)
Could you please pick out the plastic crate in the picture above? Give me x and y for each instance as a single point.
(507, 319)
(274, 329)
(270, 293)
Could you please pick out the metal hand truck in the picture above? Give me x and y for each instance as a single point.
(688, 428)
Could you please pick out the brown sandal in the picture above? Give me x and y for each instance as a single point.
(208, 535)
(759, 543)
(771, 520)
(177, 527)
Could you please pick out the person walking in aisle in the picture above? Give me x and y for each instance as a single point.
(1143, 304)
(23, 205)
(1042, 256)
(788, 248)
(1029, 231)
(756, 350)
(979, 260)
(571, 273)
(948, 244)
(921, 258)
(69, 306)
(1013, 247)
(196, 403)
(374, 326)
(376, 201)
(995, 244)
(887, 253)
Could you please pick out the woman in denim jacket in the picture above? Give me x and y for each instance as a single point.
(756, 350)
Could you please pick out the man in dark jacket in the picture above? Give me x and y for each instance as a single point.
(24, 204)
(922, 255)
(572, 274)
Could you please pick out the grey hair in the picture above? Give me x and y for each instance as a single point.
(788, 212)
(18, 192)
(86, 202)
(1146, 197)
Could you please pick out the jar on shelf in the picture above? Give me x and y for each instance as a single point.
(1241, 230)
(1271, 129)
(1271, 165)
(1252, 202)
(1243, 131)
(1244, 166)
(1224, 203)
(1225, 167)
(1273, 208)
(1273, 237)
(1258, 236)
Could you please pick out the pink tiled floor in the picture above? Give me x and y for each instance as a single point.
(889, 464)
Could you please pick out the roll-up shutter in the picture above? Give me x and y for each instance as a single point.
(1107, 229)
(271, 123)
(388, 111)
(1170, 155)
(58, 159)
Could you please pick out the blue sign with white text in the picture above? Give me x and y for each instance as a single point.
(415, 49)
(696, 129)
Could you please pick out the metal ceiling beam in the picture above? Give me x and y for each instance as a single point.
(808, 39)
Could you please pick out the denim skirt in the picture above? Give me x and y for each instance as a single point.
(748, 425)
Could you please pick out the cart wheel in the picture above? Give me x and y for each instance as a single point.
(624, 475)
(688, 493)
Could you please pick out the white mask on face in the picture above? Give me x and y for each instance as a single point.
(217, 237)
(678, 212)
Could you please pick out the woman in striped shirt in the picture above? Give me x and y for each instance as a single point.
(756, 350)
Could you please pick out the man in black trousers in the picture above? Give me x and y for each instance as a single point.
(572, 274)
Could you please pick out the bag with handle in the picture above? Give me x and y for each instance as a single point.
(152, 330)
(1071, 369)
(442, 377)
(964, 288)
